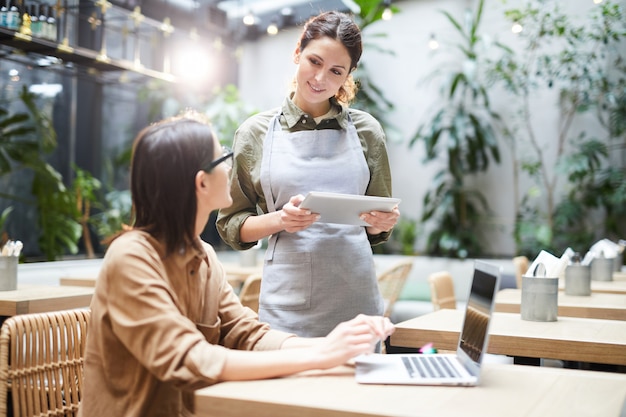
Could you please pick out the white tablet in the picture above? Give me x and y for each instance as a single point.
(345, 208)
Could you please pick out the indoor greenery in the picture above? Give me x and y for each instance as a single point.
(462, 130)
(577, 175)
(370, 97)
(27, 137)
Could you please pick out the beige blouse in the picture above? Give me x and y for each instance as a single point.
(160, 329)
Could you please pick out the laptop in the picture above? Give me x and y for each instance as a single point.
(460, 368)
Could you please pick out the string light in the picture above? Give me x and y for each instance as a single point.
(516, 28)
(433, 43)
(248, 18)
(272, 29)
(597, 1)
(387, 13)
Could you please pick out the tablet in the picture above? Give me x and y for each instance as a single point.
(345, 208)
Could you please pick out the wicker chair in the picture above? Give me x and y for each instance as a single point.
(41, 363)
(250, 291)
(391, 282)
(442, 290)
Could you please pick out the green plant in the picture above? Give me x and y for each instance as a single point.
(26, 138)
(577, 190)
(224, 108)
(463, 128)
(85, 188)
(370, 97)
(3, 219)
(402, 240)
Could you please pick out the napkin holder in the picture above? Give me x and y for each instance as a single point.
(602, 269)
(8, 273)
(578, 280)
(539, 298)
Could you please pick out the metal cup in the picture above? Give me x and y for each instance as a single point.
(539, 298)
(578, 280)
(8, 273)
(602, 269)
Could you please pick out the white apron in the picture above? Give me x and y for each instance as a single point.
(321, 276)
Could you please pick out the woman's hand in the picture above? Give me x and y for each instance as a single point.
(293, 218)
(381, 221)
(352, 338)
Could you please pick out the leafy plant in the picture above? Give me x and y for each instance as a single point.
(26, 138)
(463, 128)
(370, 97)
(583, 64)
(3, 219)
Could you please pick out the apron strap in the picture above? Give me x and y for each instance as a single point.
(265, 180)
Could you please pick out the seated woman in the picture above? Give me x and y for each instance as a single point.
(164, 319)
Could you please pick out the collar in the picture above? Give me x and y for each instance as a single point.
(293, 114)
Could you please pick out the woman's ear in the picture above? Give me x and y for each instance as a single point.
(296, 56)
(201, 181)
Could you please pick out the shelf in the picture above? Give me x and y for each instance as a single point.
(77, 55)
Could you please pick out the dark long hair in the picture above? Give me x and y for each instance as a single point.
(166, 158)
(340, 27)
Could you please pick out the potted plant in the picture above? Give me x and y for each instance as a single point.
(462, 128)
(578, 189)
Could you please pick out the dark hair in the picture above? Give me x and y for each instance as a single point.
(166, 158)
(338, 26)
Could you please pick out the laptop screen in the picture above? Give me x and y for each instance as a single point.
(473, 338)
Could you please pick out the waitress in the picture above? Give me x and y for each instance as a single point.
(315, 275)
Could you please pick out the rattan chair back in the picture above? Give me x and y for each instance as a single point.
(391, 282)
(41, 363)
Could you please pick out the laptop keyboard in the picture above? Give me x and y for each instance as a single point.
(430, 366)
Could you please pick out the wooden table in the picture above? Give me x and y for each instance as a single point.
(568, 338)
(235, 274)
(595, 306)
(43, 298)
(505, 390)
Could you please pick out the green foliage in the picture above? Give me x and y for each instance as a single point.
(224, 108)
(584, 64)
(27, 137)
(402, 239)
(370, 97)
(463, 128)
(57, 214)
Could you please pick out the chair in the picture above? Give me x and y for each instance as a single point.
(41, 363)
(250, 290)
(442, 290)
(521, 265)
(391, 282)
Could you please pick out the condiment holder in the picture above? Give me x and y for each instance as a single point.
(539, 296)
(602, 268)
(577, 277)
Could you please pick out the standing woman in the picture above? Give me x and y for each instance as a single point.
(315, 275)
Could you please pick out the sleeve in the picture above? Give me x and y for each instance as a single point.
(373, 140)
(246, 191)
(147, 317)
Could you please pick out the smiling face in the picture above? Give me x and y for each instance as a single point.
(323, 67)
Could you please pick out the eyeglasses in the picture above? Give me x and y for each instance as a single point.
(227, 157)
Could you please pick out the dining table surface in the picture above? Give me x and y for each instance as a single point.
(235, 274)
(503, 390)
(594, 306)
(30, 298)
(616, 286)
(567, 338)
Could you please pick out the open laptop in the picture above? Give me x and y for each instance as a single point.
(460, 368)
